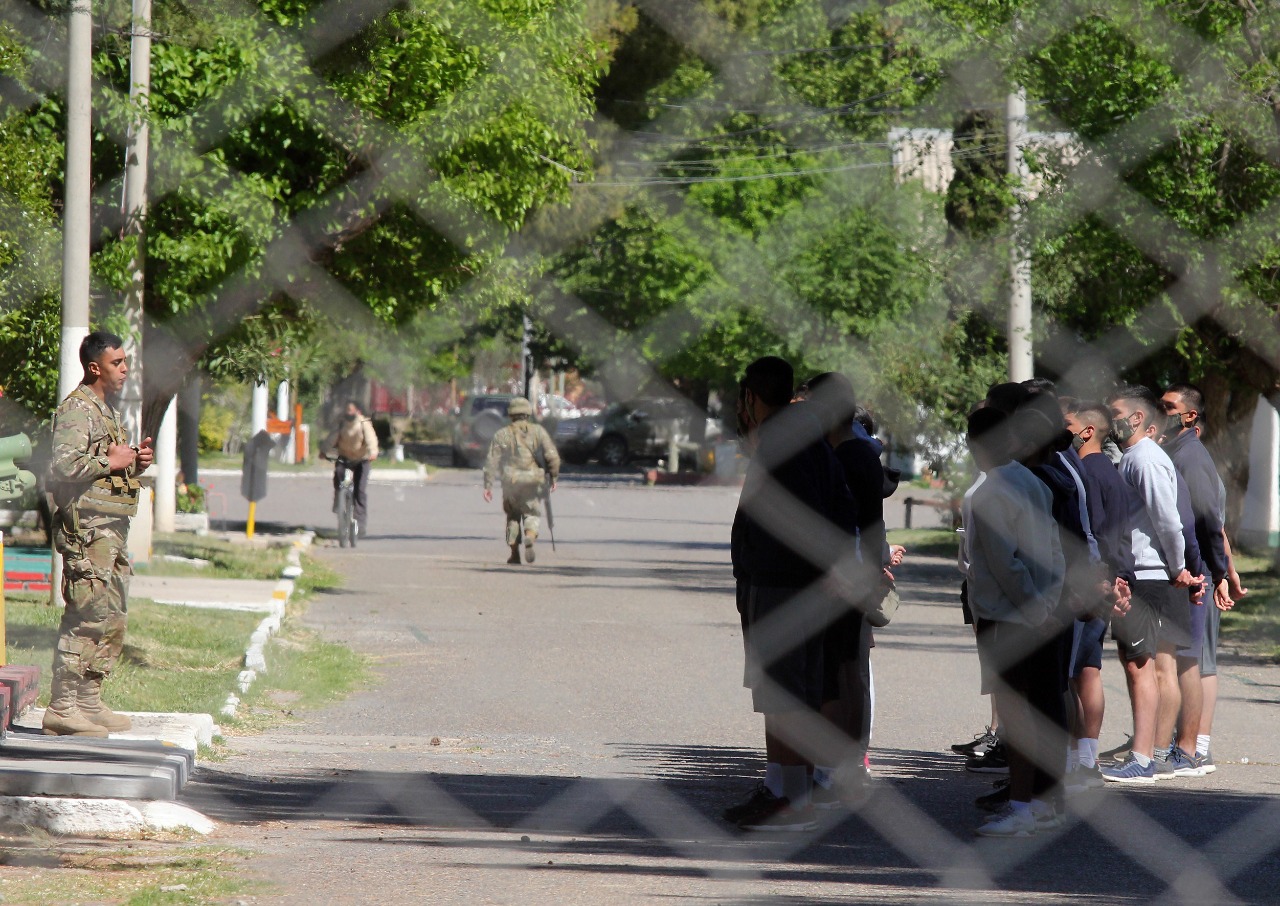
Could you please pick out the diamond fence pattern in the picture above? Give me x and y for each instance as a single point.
(746, 79)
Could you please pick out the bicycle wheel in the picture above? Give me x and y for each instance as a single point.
(346, 517)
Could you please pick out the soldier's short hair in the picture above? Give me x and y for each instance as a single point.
(1191, 395)
(1139, 397)
(770, 378)
(95, 344)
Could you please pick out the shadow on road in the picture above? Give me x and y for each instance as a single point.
(915, 832)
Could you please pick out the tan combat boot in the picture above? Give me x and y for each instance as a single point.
(90, 701)
(528, 546)
(515, 555)
(63, 717)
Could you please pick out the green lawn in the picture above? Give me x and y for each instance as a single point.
(1253, 625)
(226, 559)
(926, 542)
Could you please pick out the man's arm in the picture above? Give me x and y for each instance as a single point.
(1157, 485)
(75, 459)
(370, 439)
(1012, 545)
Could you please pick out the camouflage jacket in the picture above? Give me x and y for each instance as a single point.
(521, 451)
(85, 490)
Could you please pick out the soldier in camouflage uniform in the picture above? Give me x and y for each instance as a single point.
(524, 457)
(93, 479)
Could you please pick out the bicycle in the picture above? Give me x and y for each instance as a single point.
(346, 506)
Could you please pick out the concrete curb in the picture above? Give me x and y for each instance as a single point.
(255, 659)
(99, 817)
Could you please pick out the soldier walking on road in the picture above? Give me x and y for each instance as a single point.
(93, 479)
(524, 458)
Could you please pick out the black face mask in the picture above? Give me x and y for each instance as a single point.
(349, 417)
(1173, 426)
(1121, 430)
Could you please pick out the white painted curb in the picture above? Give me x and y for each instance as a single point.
(255, 658)
(99, 817)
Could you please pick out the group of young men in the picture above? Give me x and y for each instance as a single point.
(810, 558)
(1086, 515)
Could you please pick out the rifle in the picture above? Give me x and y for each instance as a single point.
(551, 519)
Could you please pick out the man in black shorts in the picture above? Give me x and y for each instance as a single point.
(793, 531)
(1158, 621)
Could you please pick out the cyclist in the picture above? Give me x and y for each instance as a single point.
(353, 445)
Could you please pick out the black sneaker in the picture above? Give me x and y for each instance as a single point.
(992, 761)
(996, 800)
(984, 740)
(1119, 753)
(755, 801)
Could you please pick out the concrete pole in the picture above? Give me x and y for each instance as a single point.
(135, 211)
(282, 401)
(1021, 359)
(1260, 520)
(258, 415)
(166, 469)
(75, 216)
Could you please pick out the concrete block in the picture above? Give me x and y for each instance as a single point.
(5, 711)
(170, 816)
(184, 730)
(23, 683)
(87, 779)
(72, 817)
(20, 748)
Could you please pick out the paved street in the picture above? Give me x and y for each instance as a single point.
(568, 733)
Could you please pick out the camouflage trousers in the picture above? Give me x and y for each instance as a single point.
(521, 500)
(95, 587)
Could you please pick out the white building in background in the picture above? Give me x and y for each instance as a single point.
(925, 154)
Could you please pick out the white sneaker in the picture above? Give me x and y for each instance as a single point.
(1009, 823)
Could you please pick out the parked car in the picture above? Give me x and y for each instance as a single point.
(636, 429)
(479, 419)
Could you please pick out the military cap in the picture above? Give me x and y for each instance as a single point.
(519, 406)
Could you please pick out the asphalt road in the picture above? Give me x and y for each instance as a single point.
(568, 732)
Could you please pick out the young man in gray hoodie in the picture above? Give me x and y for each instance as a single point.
(1158, 621)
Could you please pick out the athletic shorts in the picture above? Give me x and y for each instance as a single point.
(783, 659)
(1196, 619)
(1158, 616)
(1209, 650)
(1023, 657)
(1086, 645)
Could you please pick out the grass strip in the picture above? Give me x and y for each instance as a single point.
(933, 542)
(147, 873)
(224, 559)
(1252, 627)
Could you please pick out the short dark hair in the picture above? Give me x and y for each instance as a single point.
(1190, 395)
(1007, 397)
(1091, 412)
(356, 403)
(987, 431)
(1141, 397)
(1040, 385)
(95, 344)
(770, 378)
(833, 393)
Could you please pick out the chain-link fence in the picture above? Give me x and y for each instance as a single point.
(1194, 287)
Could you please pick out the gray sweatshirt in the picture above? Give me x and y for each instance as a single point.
(1155, 532)
(1016, 565)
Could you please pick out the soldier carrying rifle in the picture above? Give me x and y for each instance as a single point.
(524, 457)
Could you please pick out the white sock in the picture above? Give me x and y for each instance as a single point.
(773, 778)
(1073, 758)
(1089, 753)
(1142, 760)
(823, 777)
(1202, 745)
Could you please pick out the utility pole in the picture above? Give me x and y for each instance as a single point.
(75, 216)
(75, 211)
(1021, 358)
(135, 210)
